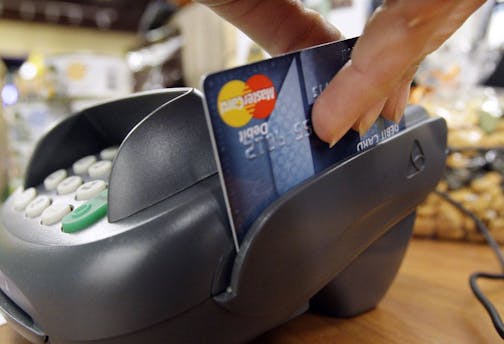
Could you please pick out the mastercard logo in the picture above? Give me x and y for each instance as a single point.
(239, 101)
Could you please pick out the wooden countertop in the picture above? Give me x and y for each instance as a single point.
(429, 302)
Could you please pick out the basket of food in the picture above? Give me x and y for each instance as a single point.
(474, 175)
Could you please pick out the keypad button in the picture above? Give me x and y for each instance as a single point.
(86, 214)
(81, 166)
(90, 190)
(69, 185)
(37, 206)
(24, 198)
(52, 180)
(109, 153)
(100, 169)
(54, 213)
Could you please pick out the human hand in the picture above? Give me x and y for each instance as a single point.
(384, 60)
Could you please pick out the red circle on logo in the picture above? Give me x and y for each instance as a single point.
(262, 96)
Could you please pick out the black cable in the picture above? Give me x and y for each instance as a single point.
(482, 228)
(490, 308)
(479, 225)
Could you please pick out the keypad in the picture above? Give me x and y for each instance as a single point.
(37, 206)
(69, 185)
(90, 190)
(109, 153)
(81, 166)
(24, 198)
(86, 214)
(100, 169)
(74, 198)
(54, 213)
(52, 180)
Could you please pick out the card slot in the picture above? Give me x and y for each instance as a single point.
(305, 238)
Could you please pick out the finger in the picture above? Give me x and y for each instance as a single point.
(278, 26)
(396, 103)
(396, 35)
(367, 120)
(374, 111)
(391, 109)
(348, 97)
(363, 82)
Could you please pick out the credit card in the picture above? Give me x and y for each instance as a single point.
(260, 120)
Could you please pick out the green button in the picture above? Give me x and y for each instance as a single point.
(87, 214)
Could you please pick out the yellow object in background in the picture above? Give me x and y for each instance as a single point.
(76, 71)
(31, 78)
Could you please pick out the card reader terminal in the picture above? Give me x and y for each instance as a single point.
(121, 235)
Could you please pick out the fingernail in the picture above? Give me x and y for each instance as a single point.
(332, 143)
(398, 116)
(355, 126)
(365, 125)
(367, 121)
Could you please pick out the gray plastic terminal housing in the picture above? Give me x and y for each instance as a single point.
(162, 267)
